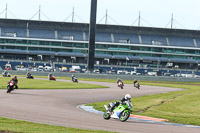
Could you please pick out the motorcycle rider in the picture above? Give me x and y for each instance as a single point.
(28, 74)
(73, 77)
(5, 73)
(136, 84)
(127, 97)
(50, 74)
(119, 80)
(15, 81)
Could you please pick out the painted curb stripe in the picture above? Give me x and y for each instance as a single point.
(147, 118)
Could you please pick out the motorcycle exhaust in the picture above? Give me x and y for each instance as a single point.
(106, 107)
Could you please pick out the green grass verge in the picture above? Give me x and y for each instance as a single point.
(178, 107)
(24, 83)
(18, 126)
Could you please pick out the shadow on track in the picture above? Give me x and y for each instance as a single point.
(146, 122)
(16, 93)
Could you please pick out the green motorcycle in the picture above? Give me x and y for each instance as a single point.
(121, 112)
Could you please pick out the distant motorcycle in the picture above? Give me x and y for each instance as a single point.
(121, 112)
(75, 80)
(10, 86)
(6, 74)
(30, 76)
(120, 84)
(52, 78)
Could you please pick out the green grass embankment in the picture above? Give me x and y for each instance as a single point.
(24, 83)
(18, 126)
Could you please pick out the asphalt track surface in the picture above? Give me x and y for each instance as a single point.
(59, 107)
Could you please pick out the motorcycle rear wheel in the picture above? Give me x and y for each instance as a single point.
(124, 116)
(106, 116)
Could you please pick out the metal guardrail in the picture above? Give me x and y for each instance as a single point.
(109, 76)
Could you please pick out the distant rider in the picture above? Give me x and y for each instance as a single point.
(50, 74)
(5, 73)
(28, 74)
(73, 77)
(127, 97)
(134, 82)
(15, 81)
(119, 80)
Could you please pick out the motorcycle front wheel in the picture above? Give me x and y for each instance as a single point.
(106, 116)
(9, 89)
(124, 116)
(121, 87)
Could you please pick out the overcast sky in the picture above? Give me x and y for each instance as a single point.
(156, 13)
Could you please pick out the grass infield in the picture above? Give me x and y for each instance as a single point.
(18, 126)
(24, 83)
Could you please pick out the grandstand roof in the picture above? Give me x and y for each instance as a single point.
(100, 28)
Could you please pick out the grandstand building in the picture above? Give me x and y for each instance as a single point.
(115, 45)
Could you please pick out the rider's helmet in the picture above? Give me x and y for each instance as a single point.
(128, 97)
(135, 80)
(72, 75)
(5, 71)
(15, 77)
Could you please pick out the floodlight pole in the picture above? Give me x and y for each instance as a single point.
(139, 20)
(92, 28)
(106, 17)
(6, 11)
(39, 13)
(172, 21)
(73, 15)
